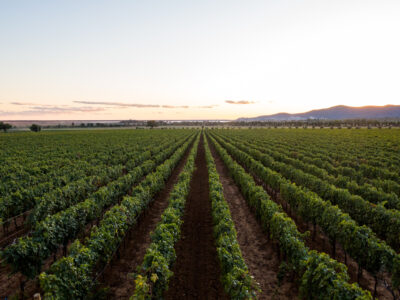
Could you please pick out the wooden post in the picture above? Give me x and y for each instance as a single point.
(376, 284)
(359, 273)
(314, 230)
(37, 296)
(334, 248)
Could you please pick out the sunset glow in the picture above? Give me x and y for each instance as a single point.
(114, 60)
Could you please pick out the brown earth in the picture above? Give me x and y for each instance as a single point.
(115, 278)
(321, 243)
(258, 251)
(197, 270)
(10, 283)
(16, 228)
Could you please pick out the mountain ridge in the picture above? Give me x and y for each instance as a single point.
(338, 112)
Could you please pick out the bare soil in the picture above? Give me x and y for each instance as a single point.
(321, 243)
(115, 278)
(258, 251)
(197, 270)
(16, 228)
(10, 283)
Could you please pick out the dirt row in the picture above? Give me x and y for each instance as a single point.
(116, 281)
(258, 251)
(13, 228)
(196, 270)
(17, 227)
(10, 283)
(320, 242)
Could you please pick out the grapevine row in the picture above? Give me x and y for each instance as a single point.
(319, 274)
(28, 254)
(360, 242)
(76, 192)
(77, 268)
(235, 273)
(21, 194)
(384, 222)
(367, 191)
(154, 273)
(350, 168)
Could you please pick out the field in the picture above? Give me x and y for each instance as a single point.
(200, 214)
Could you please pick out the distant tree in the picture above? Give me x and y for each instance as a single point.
(5, 126)
(35, 128)
(151, 124)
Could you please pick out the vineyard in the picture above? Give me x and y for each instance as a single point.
(200, 214)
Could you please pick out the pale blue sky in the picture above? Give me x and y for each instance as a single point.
(184, 59)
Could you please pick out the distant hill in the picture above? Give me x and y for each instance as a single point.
(340, 112)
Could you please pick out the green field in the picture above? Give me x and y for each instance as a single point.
(210, 214)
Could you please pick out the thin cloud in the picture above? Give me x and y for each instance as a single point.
(31, 104)
(34, 109)
(207, 106)
(120, 104)
(174, 106)
(187, 106)
(138, 105)
(39, 110)
(239, 102)
(23, 103)
(58, 109)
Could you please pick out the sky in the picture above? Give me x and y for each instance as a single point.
(210, 59)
